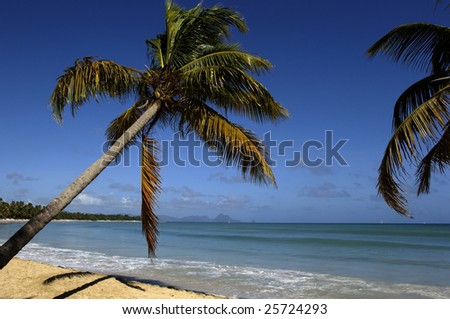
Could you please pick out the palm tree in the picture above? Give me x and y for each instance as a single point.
(421, 121)
(193, 68)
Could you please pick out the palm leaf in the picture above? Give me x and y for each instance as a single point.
(151, 187)
(390, 189)
(233, 89)
(236, 145)
(155, 49)
(417, 94)
(437, 158)
(174, 21)
(189, 33)
(122, 123)
(230, 56)
(92, 79)
(421, 45)
(421, 128)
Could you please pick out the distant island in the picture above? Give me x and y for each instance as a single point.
(21, 211)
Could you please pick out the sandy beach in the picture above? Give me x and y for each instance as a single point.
(23, 279)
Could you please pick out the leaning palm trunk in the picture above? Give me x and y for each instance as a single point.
(38, 222)
(193, 67)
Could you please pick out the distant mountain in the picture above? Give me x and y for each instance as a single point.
(225, 219)
(222, 218)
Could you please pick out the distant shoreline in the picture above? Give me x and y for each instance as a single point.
(221, 218)
(9, 220)
(6, 221)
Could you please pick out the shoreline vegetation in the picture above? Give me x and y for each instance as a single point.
(24, 279)
(21, 211)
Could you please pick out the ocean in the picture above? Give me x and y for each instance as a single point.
(252, 260)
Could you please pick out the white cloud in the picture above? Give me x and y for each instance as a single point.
(185, 192)
(85, 199)
(126, 201)
(201, 203)
(232, 202)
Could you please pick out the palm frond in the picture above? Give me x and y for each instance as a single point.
(91, 79)
(234, 90)
(191, 32)
(237, 146)
(417, 94)
(122, 123)
(151, 187)
(420, 45)
(437, 158)
(174, 21)
(420, 129)
(155, 50)
(230, 56)
(390, 189)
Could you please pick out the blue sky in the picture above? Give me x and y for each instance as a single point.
(321, 76)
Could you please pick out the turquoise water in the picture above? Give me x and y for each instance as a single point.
(259, 260)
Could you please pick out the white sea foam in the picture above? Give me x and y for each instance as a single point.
(230, 280)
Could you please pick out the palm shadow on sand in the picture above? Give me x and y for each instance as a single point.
(69, 293)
